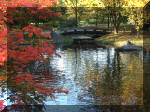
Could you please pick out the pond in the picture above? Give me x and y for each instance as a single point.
(92, 75)
(98, 76)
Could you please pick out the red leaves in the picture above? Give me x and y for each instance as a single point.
(21, 40)
(3, 33)
(30, 84)
(3, 56)
(49, 91)
(3, 78)
(46, 35)
(3, 53)
(27, 3)
(2, 106)
(32, 29)
(15, 35)
(1, 22)
(47, 28)
(21, 78)
(30, 35)
(3, 44)
(59, 90)
(20, 56)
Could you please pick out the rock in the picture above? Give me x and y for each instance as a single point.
(57, 38)
(129, 47)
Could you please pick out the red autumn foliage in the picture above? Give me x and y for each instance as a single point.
(3, 55)
(31, 85)
(47, 28)
(2, 106)
(3, 46)
(32, 29)
(20, 56)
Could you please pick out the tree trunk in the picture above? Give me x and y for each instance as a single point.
(116, 29)
(108, 21)
(116, 20)
(138, 33)
(96, 18)
(76, 10)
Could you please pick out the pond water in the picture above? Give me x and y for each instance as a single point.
(92, 75)
(98, 76)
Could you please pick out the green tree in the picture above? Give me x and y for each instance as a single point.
(116, 12)
(135, 13)
(76, 7)
(136, 18)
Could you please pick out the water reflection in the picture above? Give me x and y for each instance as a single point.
(99, 76)
(146, 68)
(92, 75)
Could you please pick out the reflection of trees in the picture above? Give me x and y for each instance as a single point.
(146, 80)
(133, 79)
(116, 83)
(110, 84)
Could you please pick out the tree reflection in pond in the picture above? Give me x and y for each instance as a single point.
(100, 76)
(97, 76)
(119, 83)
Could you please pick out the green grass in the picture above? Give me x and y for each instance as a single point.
(120, 39)
(67, 39)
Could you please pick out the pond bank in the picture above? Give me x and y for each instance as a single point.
(119, 39)
(56, 37)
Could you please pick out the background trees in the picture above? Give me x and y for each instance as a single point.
(115, 12)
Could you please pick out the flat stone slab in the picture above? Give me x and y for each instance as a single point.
(129, 47)
(80, 37)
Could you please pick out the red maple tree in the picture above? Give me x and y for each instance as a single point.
(20, 56)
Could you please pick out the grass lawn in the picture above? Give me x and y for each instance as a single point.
(67, 39)
(120, 39)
